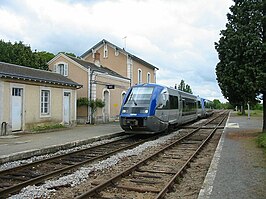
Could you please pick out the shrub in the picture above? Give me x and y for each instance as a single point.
(261, 140)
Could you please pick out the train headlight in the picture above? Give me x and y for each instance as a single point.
(124, 111)
(144, 111)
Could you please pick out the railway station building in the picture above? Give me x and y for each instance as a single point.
(106, 72)
(32, 97)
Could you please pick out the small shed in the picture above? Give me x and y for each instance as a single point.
(32, 97)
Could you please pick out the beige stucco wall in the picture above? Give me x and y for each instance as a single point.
(115, 63)
(75, 72)
(31, 104)
(5, 108)
(115, 96)
(145, 71)
(119, 64)
(78, 74)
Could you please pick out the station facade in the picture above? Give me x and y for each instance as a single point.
(106, 72)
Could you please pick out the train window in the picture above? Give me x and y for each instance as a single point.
(199, 104)
(173, 102)
(163, 100)
(189, 106)
(140, 95)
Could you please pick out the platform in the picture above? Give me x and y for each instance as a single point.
(238, 168)
(24, 145)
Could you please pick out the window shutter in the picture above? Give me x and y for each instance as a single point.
(66, 70)
(54, 70)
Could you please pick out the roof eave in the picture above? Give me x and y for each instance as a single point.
(9, 76)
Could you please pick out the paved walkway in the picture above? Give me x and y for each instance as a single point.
(13, 146)
(238, 169)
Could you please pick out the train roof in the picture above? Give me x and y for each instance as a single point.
(169, 88)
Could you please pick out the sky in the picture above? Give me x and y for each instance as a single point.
(177, 36)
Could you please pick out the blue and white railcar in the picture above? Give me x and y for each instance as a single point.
(208, 107)
(205, 107)
(152, 108)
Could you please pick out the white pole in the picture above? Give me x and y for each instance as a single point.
(248, 112)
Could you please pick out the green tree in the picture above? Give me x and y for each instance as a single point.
(241, 50)
(217, 104)
(46, 56)
(21, 54)
(70, 54)
(184, 87)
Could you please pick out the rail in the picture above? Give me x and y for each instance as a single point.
(113, 182)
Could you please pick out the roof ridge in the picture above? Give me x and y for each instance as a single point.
(121, 49)
(23, 66)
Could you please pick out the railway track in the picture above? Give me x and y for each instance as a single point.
(14, 179)
(153, 176)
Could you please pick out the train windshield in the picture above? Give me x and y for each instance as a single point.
(139, 96)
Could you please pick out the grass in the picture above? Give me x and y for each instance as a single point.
(261, 140)
(252, 113)
(47, 127)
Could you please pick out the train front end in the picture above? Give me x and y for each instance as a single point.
(137, 113)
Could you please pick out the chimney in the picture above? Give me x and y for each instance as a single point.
(97, 59)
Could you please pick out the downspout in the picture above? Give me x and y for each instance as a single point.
(89, 94)
(1, 101)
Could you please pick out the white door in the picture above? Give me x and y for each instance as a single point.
(66, 107)
(16, 109)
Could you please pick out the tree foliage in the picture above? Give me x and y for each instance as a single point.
(82, 101)
(21, 54)
(70, 54)
(46, 56)
(93, 104)
(184, 87)
(241, 71)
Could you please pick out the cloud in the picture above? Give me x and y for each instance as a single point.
(177, 36)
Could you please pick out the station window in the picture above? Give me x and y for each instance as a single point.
(61, 68)
(148, 77)
(45, 102)
(139, 76)
(105, 51)
(16, 91)
(116, 52)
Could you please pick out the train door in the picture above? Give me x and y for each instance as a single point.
(16, 109)
(162, 109)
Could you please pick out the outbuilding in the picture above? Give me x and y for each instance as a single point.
(32, 97)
